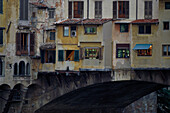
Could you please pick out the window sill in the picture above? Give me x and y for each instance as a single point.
(144, 35)
(2, 75)
(90, 33)
(166, 57)
(123, 58)
(21, 76)
(1, 45)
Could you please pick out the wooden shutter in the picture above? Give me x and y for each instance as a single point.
(60, 55)
(1, 36)
(70, 10)
(76, 55)
(100, 53)
(127, 9)
(42, 55)
(18, 43)
(54, 56)
(1, 6)
(81, 54)
(26, 10)
(115, 9)
(32, 43)
(21, 9)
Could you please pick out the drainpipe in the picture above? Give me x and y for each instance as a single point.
(136, 9)
(87, 9)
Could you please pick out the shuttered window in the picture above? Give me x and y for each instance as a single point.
(51, 13)
(32, 43)
(18, 43)
(60, 55)
(70, 10)
(23, 9)
(114, 9)
(42, 56)
(98, 9)
(1, 6)
(76, 55)
(52, 35)
(123, 9)
(148, 9)
(1, 36)
(22, 42)
(76, 9)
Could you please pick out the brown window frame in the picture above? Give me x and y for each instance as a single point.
(75, 9)
(123, 9)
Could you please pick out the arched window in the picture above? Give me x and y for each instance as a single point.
(1, 66)
(22, 68)
(28, 69)
(15, 69)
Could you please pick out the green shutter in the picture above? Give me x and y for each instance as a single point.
(1, 6)
(42, 56)
(54, 56)
(60, 55)
(76, 55)
(1, 36)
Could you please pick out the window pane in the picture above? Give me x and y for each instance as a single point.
(167, 5)
(148, 29)
(1, 6)
(66, 31)
(1, 36)
(90, 30)
(141, 29)
(166, 25)
(168, 50)
(164, 50)
(123, 27)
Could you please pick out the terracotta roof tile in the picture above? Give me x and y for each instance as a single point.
(39, 4)
(83, 21)
(140, 21)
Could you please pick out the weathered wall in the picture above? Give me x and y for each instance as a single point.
(154, 39)
(146, 104)
(163, 34)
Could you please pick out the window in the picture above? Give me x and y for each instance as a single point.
(70, 55)
(124, 27)
(15, 69)
(1, 67)
(114, 9)
(122, 50)
(1, 36)
(98, 9)
(22, 42)
(166, 50)
(167, 5)
(123, 9)
(148, 9)
(91, 53)
(73, 31)
(23, 9)
(52, 35)
(144, 29)
(66, 31)
(166, 25)
(90, 30)
(48, 56)
(22, 68)
(51, 13)
(1, 6)
(60, 55)
(75, 9)
(28, 69)
(145, 52)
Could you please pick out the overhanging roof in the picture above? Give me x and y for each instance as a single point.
(142, 46)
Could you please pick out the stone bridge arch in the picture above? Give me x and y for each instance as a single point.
(52, 86)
